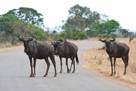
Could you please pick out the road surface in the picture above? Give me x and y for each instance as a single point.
(15, 71)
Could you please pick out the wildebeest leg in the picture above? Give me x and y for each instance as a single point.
(54, 63)
(73, 61)
(111, 66)
(31, 65)
(125, 59)
(70, 67)
(34, 66)
(60, 65)
(114, 65)
(48, 65)
(67, 65)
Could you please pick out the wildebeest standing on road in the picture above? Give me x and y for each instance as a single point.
(116, 50)
(38, 50)
(66, 50)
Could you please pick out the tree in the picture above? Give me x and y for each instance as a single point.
(80, 18)
(124, 32)
(75, 23)
(6, 25)
(111, 26)
(108, 27)
(27, 14)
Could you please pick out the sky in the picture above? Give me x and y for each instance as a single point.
(54, 11)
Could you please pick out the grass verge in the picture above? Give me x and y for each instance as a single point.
(98, 61)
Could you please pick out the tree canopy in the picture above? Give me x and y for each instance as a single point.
(27, 14)
(24, 21)
(80, 24)
(80, 18)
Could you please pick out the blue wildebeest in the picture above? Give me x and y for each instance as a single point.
(66, 50)
(116, 50)
(38, 50)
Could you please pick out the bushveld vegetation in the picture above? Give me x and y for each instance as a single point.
(82, 23)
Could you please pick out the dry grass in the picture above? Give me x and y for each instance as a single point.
(8, 46)
(87, 40)
(98, 61)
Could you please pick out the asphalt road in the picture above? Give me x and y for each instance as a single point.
(15, 71)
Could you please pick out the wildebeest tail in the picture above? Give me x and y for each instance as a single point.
(77, 59)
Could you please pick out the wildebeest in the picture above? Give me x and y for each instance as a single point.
(116, 50)
(66, 50)
(38, 50)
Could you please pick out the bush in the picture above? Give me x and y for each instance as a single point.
(75, 35)
(107, 35)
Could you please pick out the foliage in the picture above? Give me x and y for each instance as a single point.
(85, 13)
(29, 15)
(81, 24)
(6, 25)
(107, 35)
(11, 27)
(124, 32)
(75, 34)
(37, 32)
(108, 27)
(80, 18)
(92, 33)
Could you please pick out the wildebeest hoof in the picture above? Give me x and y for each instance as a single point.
(124, 73)
(73, 72)
(111, 75)
(114, 73)
(55, 75)
(68, 71)
(44, 75)
(32, 75)
(60, 71)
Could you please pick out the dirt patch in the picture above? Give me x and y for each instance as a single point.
(98, 61)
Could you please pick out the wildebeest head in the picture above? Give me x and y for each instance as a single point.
(107, 43)
(57, 46)
(25, 41)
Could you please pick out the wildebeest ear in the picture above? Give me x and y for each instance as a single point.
(112, 40)
(60, 43)
(52, 42)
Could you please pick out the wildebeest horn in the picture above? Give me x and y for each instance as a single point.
(20, 38)
(102, 40)
(32, 35)
(113, 39)
(51, 42)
